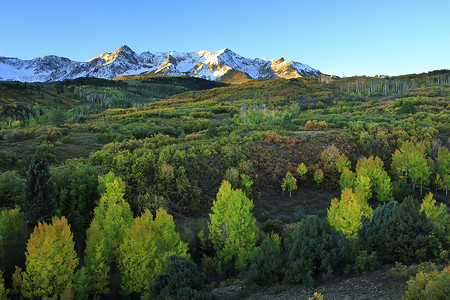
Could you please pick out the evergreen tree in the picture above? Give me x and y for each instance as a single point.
(408, 236)
(265, 264)
(13, 239)
(181, 280)
(39, 204)
(11, 189)
(316, 250)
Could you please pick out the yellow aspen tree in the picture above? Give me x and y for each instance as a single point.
(233, 230)
(345, 214)
(50, 261)
(145, 248)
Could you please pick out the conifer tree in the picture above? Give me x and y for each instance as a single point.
(39, 204)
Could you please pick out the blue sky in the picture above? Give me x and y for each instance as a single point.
(343, 38)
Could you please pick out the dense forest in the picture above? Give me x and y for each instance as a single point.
(167, 187)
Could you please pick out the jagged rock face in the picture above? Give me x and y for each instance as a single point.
(223, 65)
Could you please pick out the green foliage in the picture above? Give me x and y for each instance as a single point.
(407, 236)
(113, 214)
(369, 233)
(348, 179)
(318, 176)
(81, 284)
(181, 280)
(229, 128)
(76, 192)
(8, 159)
(233, 230)
(345, 215)
(265, 264)
(443, 169)
(411, 161)
(3, 290)
(106, 232)
(17, 282)
(342, 163)
(97, 261)
(429, 284)
(400, 271)
(407, 107)
(289, 182)
(50, 261)
(316, 250)
(39, 203)
(302, 169)
(366, 262)
(435, 213)
(12, 238)
(373, 169)
(11, 189)
(145, 248)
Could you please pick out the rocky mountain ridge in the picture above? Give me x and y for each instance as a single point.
(224, 65)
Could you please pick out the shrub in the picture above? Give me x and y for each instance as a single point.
(366, 262)
(8, 159)
(400, 271)
(181, 280)
(429, 284)
(316, 250)
(370, 228)
(265, 264)
(317, 296)
(11, 189)
(315, 125)
(407, 236)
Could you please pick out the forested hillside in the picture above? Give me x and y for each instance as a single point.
(166, 187)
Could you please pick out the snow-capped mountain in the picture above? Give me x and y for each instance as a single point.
(224, 65)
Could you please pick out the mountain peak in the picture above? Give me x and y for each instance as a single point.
(223, 65)
(225, 50)
(125, 48)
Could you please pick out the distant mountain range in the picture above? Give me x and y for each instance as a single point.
(223, 65)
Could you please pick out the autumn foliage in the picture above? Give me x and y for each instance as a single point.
(50, 261)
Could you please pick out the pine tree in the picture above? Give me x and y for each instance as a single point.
(39, 204)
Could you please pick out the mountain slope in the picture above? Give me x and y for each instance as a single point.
(224, 65)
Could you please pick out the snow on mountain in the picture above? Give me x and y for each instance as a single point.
(124, 61)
